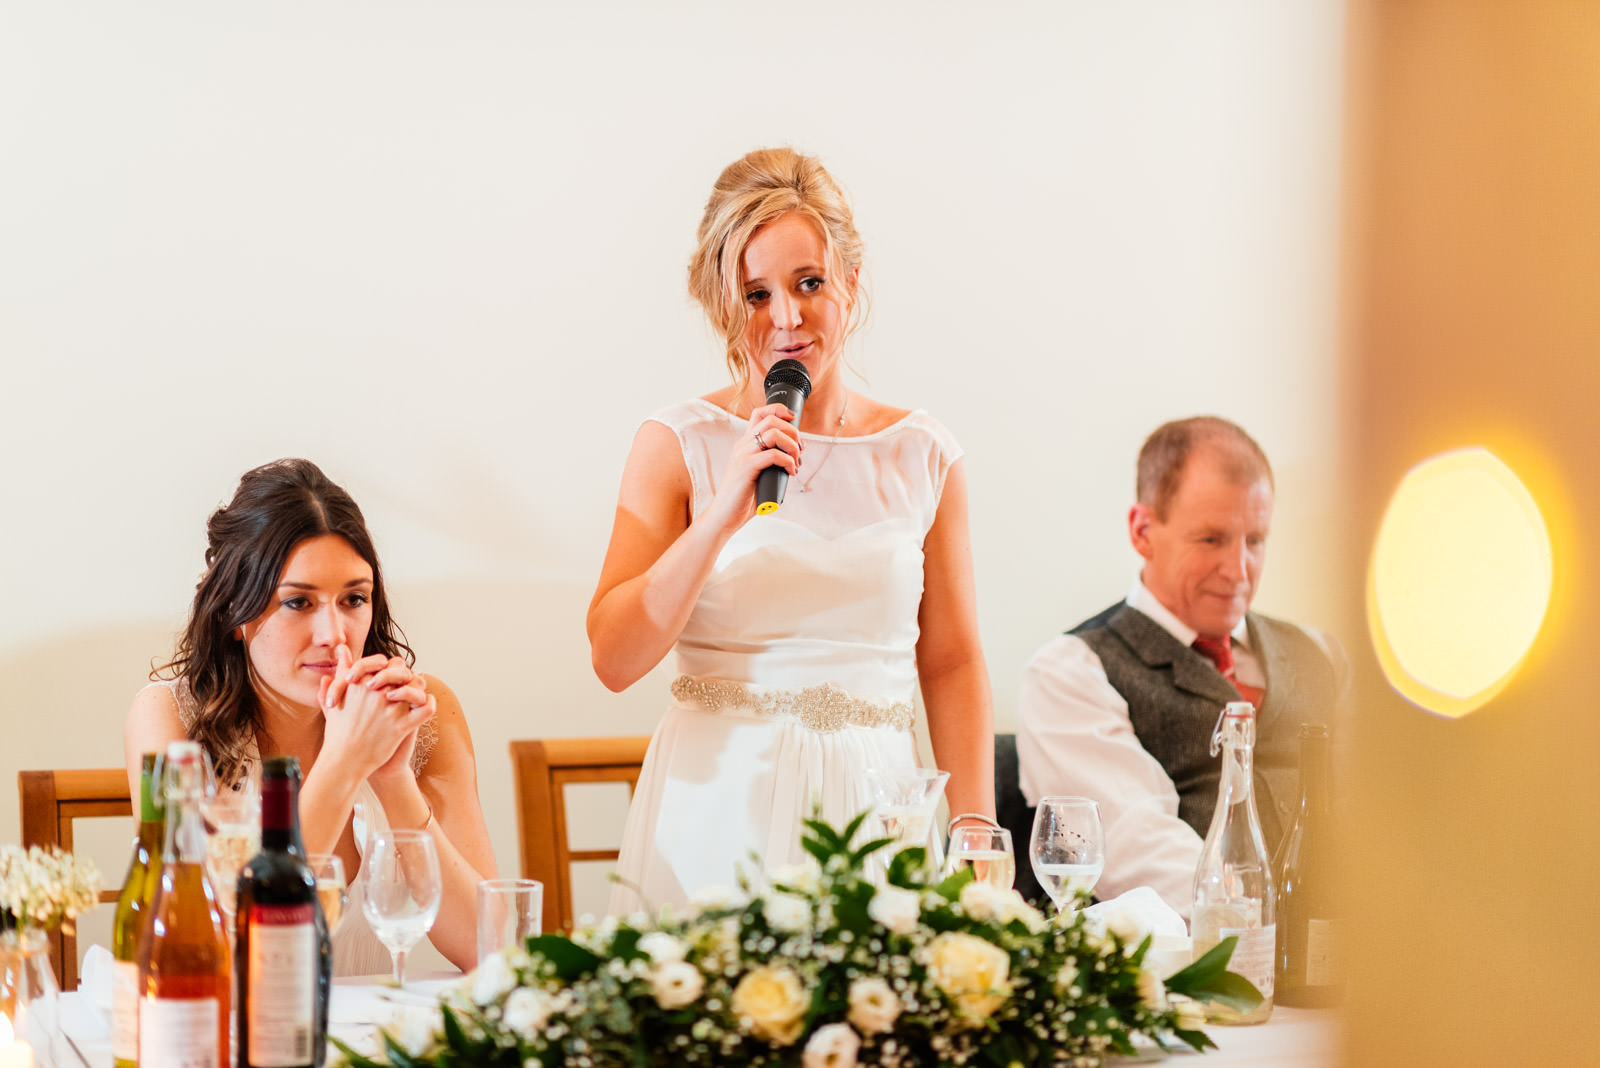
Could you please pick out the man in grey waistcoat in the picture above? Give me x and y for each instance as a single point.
(1121, 708)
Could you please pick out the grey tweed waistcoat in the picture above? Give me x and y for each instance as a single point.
(1175, 693)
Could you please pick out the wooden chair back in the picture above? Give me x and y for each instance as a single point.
(51, 801)
(541, 770)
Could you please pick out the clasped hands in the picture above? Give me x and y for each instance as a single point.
(372, 710)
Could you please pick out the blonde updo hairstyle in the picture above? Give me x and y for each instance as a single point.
(749, 194)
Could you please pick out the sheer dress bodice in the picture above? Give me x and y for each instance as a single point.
(796, 670)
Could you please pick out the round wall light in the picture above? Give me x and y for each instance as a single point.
(1459, 582)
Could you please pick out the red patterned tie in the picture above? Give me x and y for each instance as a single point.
(1220, 652)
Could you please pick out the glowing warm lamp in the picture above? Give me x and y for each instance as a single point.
(14, 1053)
(1459, 582)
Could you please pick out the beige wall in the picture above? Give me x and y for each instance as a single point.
(1474, 842)
(440, 249)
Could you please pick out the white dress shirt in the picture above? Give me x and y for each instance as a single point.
(1074, 737)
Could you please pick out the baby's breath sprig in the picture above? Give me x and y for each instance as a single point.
(46, 888)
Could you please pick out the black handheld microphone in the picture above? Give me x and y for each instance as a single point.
(789, 385)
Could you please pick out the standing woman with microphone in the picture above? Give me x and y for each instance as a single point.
(801, 633)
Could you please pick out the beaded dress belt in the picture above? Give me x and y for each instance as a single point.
(819, 708)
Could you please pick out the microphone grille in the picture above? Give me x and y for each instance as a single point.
(789, 373)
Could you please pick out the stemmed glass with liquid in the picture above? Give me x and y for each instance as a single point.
(233, 823)
(402, 891)
(1068, 847)
(333, 893)
(987, 851)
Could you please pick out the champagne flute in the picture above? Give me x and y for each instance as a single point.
(987, 851)
(1068, 847)
(402, 891)
(332, 890)
(233, 818)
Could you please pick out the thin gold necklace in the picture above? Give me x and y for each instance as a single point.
(806, 485)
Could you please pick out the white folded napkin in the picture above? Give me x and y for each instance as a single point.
(88, 1015)
(96, 976)
(1139, 912)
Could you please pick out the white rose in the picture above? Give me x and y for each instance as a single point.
(1126, 925)
(1191, 1017)
(662, 948)
(895, 908)
(676, 984)
(526, 1012)
(973, 973)
(786, 912)
(771, 1004)
(492, 980)
(805, 877)
(1152, 991)
(833, 1046)
(874, 1006)
(414, 1027)
(983, 902)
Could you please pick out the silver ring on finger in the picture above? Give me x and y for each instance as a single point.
(760, 440)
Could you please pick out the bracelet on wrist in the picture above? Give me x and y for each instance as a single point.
(988, 821)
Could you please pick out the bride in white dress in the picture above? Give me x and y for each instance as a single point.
(801, 636)
(290, 651)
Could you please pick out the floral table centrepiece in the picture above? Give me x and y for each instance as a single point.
(821, 969)
(39, 891)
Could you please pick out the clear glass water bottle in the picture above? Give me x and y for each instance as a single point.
(1233, 889)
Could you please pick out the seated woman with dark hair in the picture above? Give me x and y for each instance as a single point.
(290, 650)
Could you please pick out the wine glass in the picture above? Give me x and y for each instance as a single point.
(233, 823)
(987, 851)
(402, 891)
(332, 891)
(1068, 847)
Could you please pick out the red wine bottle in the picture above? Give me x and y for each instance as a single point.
(282, 952)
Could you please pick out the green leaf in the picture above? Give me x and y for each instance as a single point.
(453, 1034)
(1207, 968)
(351, 1057)
(854, 826)
(950, 888)
(571, 960)
(397, 1053)
(1232, 990)
(866, 849)
(1198, 1040)
(905, 866)
(824, 833)
(625, 944)
(816, 849)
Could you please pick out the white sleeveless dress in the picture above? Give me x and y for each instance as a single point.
(356, 950)
(797, 667)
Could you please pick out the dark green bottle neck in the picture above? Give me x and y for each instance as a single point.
(1314, 775)
(152, 821)
(280, 815)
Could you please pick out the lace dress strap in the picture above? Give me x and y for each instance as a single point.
(427, 741)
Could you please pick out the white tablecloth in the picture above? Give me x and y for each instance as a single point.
(1292, 1038)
